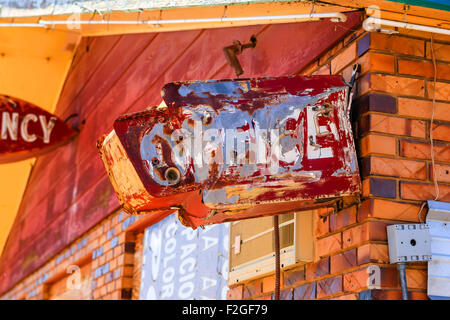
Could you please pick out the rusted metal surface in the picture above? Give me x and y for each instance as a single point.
(233, 149)
(27, 130)
(235, 49)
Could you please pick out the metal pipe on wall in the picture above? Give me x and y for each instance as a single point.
(401, 267)
(374, 24)
(335, 17)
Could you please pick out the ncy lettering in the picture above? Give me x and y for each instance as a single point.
(10, 127)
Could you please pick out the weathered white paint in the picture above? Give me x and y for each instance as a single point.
(10, 127)
(315, 152)
(180, 263)
(47, 127)
(24, 128)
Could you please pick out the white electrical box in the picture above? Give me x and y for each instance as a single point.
(409, 242)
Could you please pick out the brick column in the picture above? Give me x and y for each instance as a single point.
(391, 119)
(113, 260)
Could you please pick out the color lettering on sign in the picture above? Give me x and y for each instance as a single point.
(184, 264)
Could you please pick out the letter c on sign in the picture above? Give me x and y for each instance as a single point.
(24, 128)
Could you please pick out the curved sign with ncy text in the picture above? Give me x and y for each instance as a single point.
(27, 130)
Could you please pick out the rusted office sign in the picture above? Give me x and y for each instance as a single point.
(27, 130)
(234, 149)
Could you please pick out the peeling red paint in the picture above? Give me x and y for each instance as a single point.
(296, 150)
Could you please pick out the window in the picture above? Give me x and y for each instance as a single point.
(252, 244)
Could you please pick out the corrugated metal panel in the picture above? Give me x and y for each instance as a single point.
(184, 264)
(438, 219)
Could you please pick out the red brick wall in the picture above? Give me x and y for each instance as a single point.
(391, 116)
(113, 248)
